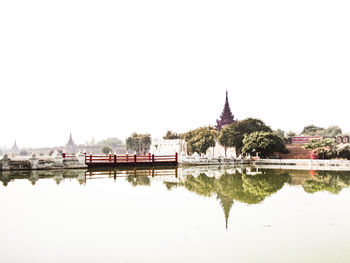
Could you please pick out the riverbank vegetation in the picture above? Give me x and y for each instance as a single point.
(250, 134)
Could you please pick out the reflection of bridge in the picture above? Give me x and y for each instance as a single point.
(166, 174)
(229, 184)
(131, 160)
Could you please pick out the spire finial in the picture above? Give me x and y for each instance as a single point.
(226, 116)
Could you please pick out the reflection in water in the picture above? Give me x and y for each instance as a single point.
(34, 175)
(330, 181)
(245, 185)
(240, 186)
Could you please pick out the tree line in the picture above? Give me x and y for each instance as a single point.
(247, 136)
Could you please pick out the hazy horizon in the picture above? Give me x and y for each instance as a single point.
(107, 69)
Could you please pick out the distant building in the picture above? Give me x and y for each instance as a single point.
(304, 139)
(219, 151)
(14, 148)
(343, 139)
(226, 116)
(168, 147)
(71, 147)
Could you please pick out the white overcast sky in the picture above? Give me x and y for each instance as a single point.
(108, 68)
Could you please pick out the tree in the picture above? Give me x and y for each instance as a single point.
(343, 150)
(139, 143)
(323, 147)
(290, 134)
(265, 143)
(171, 135)
(312, 130)
(320, 143)
(199, 140)
(106, 150)
(280, 133)
(138, 180)
(331, 181)
(333, 131)
(111, 142)
(232, 135)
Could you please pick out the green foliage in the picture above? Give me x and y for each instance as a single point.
(330, 181)
(261, 186)
(280, 133)
(290, 134)
(331, 131)
(171, 135)
(139, 143)
(106, 150)
(312, 130)
(316, 144)
(170, 185)
(324, 148)
(111, 142)
(139, 180)
(265, 143)
(343, 150)
(233, 134)
(202, 185)
(312, 186)
(199, 140)
(250, 189)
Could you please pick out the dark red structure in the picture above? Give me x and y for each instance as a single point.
(130, 160)
(226, 116)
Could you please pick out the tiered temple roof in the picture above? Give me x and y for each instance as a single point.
(71, 147)
(226, 116)
(15, 148)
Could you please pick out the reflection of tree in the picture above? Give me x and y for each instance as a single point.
(170, 185)
(5, 178)
(34, 175)
(138, 180)
(330, 181)
(202, 185)
(261, 186)
(250, 189)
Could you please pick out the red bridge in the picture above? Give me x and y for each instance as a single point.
(130, 160)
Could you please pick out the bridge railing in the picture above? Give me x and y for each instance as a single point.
(150, 158)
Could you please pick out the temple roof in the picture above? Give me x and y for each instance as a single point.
(15, 147)
(70, 142)
(226, 203)
(226, 116)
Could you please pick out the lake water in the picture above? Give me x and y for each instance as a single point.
(195, 214)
